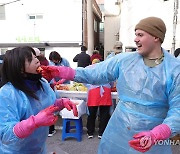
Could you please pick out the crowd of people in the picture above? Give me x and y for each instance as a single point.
(147, 83)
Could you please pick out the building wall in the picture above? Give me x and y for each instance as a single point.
(96, 19)
(61, 21)
(111, 29)
(55, 22)
(111, 24)
(96, 30)
(134, 10)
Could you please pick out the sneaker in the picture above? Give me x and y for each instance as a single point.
(99, 136)
(51, 134)
(90, 136)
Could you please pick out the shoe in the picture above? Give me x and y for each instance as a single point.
(90, 136)
(51, 134)
(99, 136)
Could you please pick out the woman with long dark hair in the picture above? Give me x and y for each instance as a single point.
(27, 104)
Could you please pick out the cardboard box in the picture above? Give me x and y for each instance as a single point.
(81, 107)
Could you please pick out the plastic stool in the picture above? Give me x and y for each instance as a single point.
(66, 131)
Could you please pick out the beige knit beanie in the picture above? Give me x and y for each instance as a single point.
(154, 26)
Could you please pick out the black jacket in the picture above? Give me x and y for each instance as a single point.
(82, 59)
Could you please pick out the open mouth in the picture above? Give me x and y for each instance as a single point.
(139, 46)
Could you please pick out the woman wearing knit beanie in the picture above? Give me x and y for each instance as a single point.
(148, 80)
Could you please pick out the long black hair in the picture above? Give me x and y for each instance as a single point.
(13, 68)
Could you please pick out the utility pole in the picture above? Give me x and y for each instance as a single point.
(90, 26)
(176, 6)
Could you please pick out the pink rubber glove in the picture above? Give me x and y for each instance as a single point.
(66, 103)
(49, 72)
(43, 118)
(54, 83)
(143, 141)
(59, 82)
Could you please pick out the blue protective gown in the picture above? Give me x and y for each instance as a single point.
(64, 62)
(15, 106)
(148, 97)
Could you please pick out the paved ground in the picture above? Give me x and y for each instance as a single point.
(72, 146)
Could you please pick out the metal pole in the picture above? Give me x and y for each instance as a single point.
(176, 6)
(90, 26)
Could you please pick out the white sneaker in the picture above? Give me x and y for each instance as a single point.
(51, 134)
(99, 136)
(90, 136)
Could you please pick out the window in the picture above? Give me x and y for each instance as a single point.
(2, 12)
(95, 25)
(101, 27)
(3, 50)
(35, 16)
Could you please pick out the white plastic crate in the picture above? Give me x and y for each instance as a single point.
(81, 107)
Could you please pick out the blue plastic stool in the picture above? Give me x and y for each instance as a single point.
(66, 130)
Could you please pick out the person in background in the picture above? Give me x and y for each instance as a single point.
(100, 48)
(82, 59)
(56, 60)
(96, 55)
(177, 52)
(99, 98)
(1, 62)
(148, 89)
(118, 47)
(1, 58)
(41, 57)
(27, 104)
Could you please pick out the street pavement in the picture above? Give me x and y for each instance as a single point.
(72, 146)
